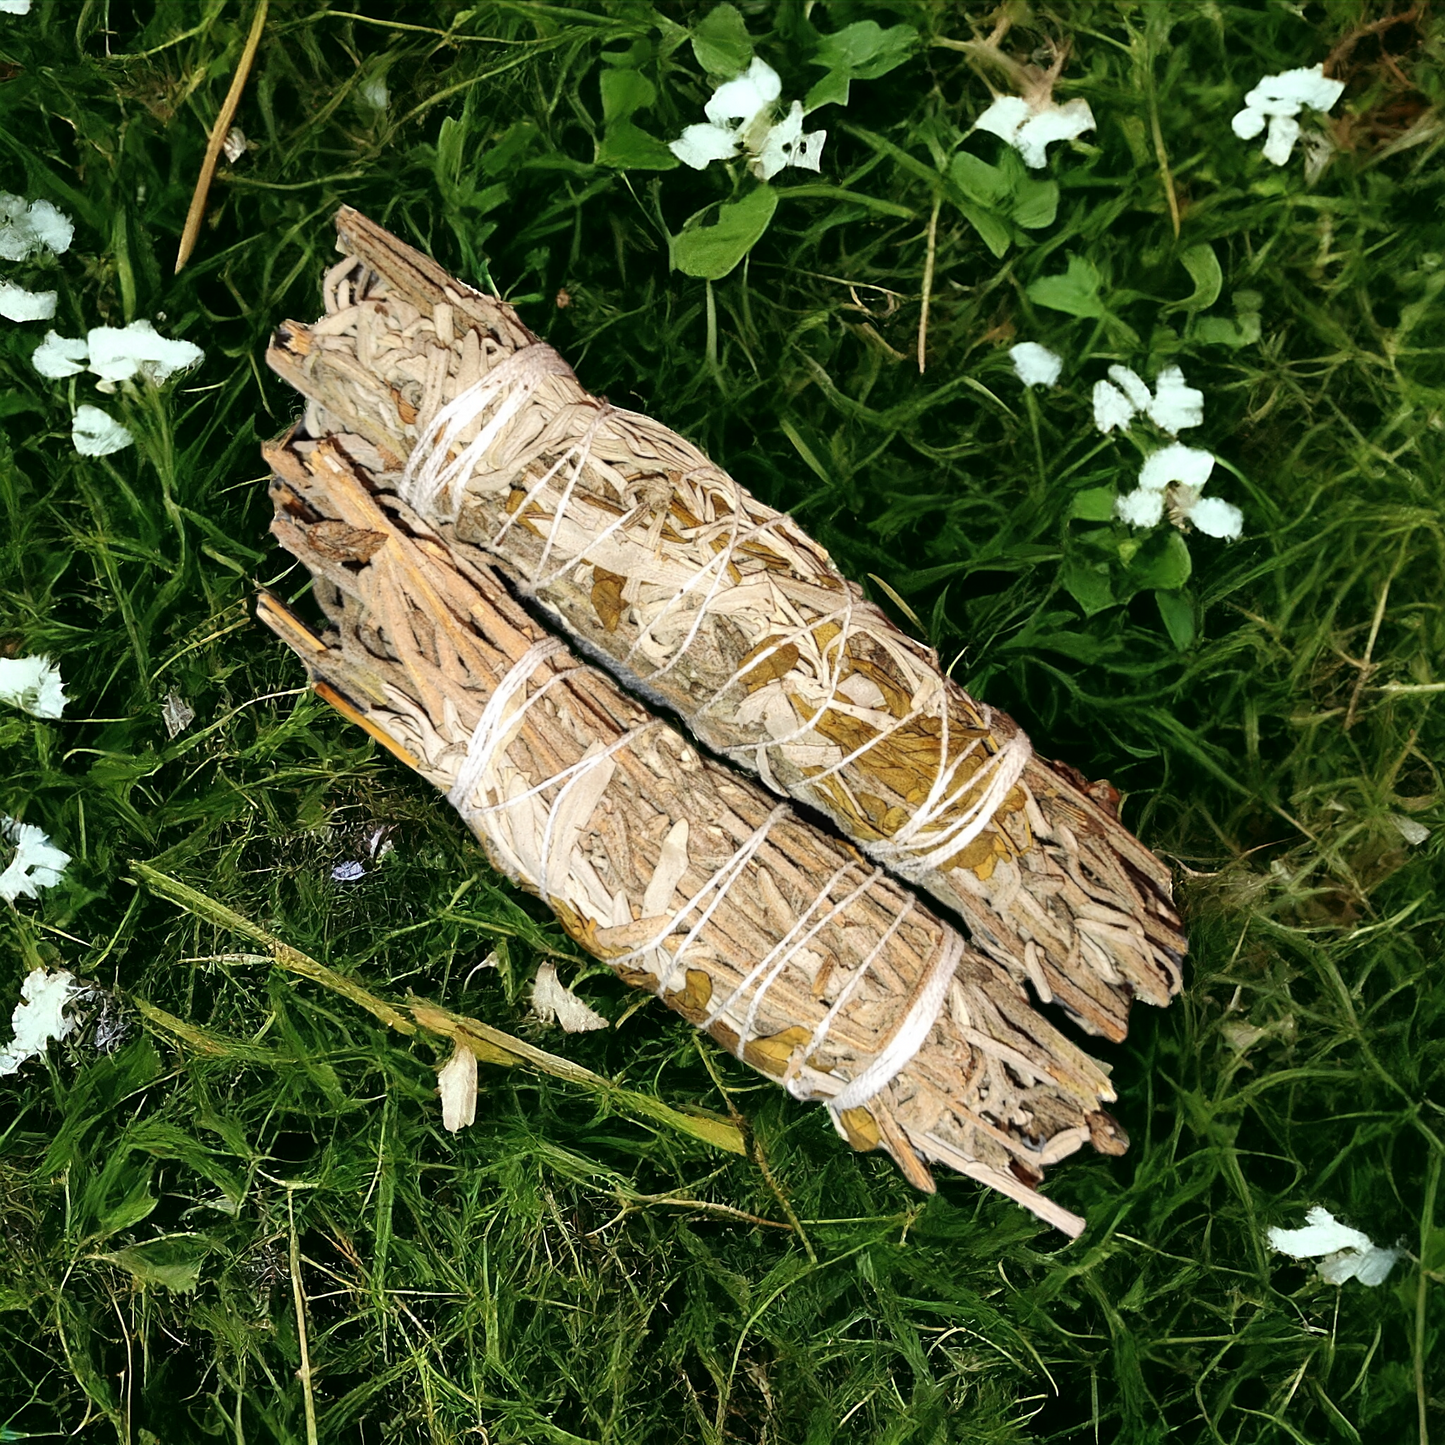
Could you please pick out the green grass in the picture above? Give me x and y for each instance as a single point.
(564, 1271)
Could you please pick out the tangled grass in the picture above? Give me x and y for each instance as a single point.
(227, 1207)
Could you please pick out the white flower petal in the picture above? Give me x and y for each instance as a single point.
(809, 153)
(1036, 365)
(27, 226)
(37, 862)
(1322, 1234)
(59, 356)
(744, 98)
(1111, 407)
(785, 144)
(1217, 518)
(33, 684)
(1132, 385)
(1248, 122)
(373, 92)
(1054, 123)
(18, 304)
(52, 227)
(699, 145)
(1307, 86)
(39, 1017)
(1176, 463)
(553, 1000)
(1140, 508)
(1344, 1253)
(1283, 133)
(97, 435)
(1004, 117)
(1175, 405)
(119, 353)
(14, 7)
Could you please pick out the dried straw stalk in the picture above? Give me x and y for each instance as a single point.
(703, 599)
(790, 948)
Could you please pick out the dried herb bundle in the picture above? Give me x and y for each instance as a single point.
(789, 947)
(702, 598)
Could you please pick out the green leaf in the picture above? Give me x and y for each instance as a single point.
(1094, 505)
(831, 90)
(625, 91)
(865, 50)
(721, 42)
(1177, 611)
(979, 181)
(1088, 584)
(627, 147)
(1076, 292)
(1162, 562)
(1203, 267)
(991, 227)
(710, 252)
(173, 1261)
(1036, 204)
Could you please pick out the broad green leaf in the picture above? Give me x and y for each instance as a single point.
(721, 42)
(710, 252)
(1036, 204)
(1203, 267)
(1088, 584)
(625, 91)
(831, 90)
(991, 227)
(1162, 562)
(627, 147)
(1177, 611)
(1094, 505)
(979, 181)
(1076, 292)
(865, 50)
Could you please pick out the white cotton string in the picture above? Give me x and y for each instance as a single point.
(912, 1031)
(721, 881)
(766, 972)
(791, 1082)
(428, 480)
(487, 737)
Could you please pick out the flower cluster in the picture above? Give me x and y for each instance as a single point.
(740, 121)
(36, 863)
(1173, 477)
(1277, 100)
(27, 227)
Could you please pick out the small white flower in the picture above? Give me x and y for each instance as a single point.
(18, 304)
(1036, 365)
(59, 356)
(1031, 125)
(97, 435)
(1277, 100)
(119, 353)
(33, 684)
(1111, 407)
(1132, 385)
(1343, 1253)
(37, 863)
(1176, 463)
(1140, 508)
(27, 226)
(14, 7)
(740, 120)
(39, 1017)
